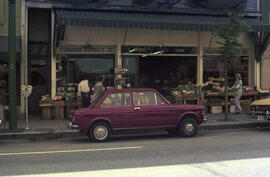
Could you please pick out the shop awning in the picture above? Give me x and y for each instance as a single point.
(149, 21)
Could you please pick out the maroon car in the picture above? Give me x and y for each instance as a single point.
(121, 109)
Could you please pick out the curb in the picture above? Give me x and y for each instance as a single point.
(40, 135)
(76, 133)
(234, 125)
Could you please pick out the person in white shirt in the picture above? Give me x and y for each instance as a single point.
(84, 92)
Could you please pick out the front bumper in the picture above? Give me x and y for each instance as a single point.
(72, 125)
(204, 118)
(260, 115)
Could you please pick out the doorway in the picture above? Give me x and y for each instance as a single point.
(39, 63)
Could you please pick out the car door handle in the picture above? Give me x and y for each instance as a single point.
(137, 108)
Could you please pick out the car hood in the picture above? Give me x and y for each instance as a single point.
(82, 110)
(265, 101)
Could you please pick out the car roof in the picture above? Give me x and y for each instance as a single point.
(129, 90)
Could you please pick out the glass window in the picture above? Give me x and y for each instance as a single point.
(130, 64)
(117, 99)
(213, 68)
(147, 98)
(72, 68)
(159, 100)
(166, 72)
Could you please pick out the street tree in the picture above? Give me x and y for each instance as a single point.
(230, 46)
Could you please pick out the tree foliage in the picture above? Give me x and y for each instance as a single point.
(229, 34)
(230, 45)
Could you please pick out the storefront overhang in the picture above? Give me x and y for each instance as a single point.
(149, 21)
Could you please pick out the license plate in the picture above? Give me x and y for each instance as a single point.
(261, 117)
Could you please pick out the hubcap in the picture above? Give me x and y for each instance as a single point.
(101, 132)
(189, 128)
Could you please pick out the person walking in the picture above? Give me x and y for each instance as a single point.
(238, 90)
(84, 92)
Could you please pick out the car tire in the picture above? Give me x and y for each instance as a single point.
(171, 131)
(100, 132)
(188, 127)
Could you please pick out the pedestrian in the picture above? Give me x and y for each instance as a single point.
(98, 88)
(237, 87)
(84, 92)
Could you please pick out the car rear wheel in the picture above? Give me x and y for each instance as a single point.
(100, 132)
(188, 127)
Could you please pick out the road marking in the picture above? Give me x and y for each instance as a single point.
(235, 168)
(67, 151)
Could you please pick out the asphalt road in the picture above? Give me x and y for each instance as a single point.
(244, 152)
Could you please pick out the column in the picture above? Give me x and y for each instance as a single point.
(118, 63)
(24, 50)
(53, 57)
(199, 61)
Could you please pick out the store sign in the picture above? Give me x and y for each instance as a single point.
(86, 49)
(156, 50)
(218, 51)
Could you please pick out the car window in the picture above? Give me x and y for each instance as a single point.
(147, 98)
(117, 99)
(96, 99)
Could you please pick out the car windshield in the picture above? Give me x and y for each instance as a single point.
(95, 100)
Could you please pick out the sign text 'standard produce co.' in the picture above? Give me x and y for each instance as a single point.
(83, 49)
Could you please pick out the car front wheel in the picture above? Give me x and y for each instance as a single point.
(100, 132)
(188, 127)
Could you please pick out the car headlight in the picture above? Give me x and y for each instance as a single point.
(203, 112)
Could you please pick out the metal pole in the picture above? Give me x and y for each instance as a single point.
(12, 65)
(26, 114)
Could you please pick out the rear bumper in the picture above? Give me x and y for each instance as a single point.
(72, 125)
(259, 115)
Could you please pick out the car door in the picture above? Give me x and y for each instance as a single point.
(150, 110)
(118, 108)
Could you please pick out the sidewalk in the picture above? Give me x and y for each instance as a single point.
(57, 129)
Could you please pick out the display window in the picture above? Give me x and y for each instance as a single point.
(4, 82)
(163, 73)
(71, 69)
(213, 69)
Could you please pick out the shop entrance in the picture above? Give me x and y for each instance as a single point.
(39, 63)
(161, 72)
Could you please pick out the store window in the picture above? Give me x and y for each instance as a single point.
(4, 94)
(130, 64)
(163, 73)
(213, 69)
(71, 69)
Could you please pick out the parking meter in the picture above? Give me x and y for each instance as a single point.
(26, 92)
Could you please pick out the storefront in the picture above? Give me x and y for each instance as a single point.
(140, 49)
(157, 59)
